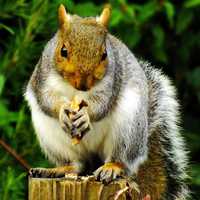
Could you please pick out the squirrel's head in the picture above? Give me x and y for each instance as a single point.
(81, 56)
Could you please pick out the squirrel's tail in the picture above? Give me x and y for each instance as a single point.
(164, 119)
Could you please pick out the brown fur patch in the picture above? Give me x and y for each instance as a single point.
(151, 176)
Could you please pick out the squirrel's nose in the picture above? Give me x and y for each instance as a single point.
(83, 88)
(82, 84)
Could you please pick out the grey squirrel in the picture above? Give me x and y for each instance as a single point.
(128, 123)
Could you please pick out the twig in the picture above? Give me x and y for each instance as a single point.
(100, 192)
(120, 192)
(12, 152)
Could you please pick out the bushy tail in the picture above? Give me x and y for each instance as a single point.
(164, 115)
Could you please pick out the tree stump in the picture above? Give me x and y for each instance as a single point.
(79, 188)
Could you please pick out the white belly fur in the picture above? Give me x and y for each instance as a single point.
(55, 142)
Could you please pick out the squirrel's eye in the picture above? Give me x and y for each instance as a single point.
(104, 56)
(64, 52)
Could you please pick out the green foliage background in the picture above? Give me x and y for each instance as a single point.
(164, 32)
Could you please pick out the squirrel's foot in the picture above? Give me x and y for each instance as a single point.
(56, 172)
(109, 172)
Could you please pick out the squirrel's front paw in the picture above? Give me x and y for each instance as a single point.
(64, 118)
(80, 122)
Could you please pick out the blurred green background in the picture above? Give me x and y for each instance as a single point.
(164, 32)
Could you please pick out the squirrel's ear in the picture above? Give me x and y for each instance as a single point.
(105, 15)
(63, 17)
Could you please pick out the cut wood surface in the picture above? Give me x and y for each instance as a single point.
(80, 188)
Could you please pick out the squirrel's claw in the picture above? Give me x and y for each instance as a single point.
(109, 172)
(64, 119)
(81, 122)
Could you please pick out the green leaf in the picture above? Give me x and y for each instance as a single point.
(132, 37)
(2, 82)
(135, 39)
(193, 78)
(193, 140)
(158, 45)
(7, 116)
(86, 9)
(170, 11)
(69, 4)
(147, 11)
(195, 169)
(10, 30)
(122, 1)
(191, 3)
(116, 17)
(131, 11)
(159, 35)
(12, 184)
(184, 19)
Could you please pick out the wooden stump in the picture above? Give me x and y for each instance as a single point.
(79, 188)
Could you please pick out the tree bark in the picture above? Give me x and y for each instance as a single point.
(80, 188)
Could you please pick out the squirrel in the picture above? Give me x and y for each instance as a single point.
(128, 125)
